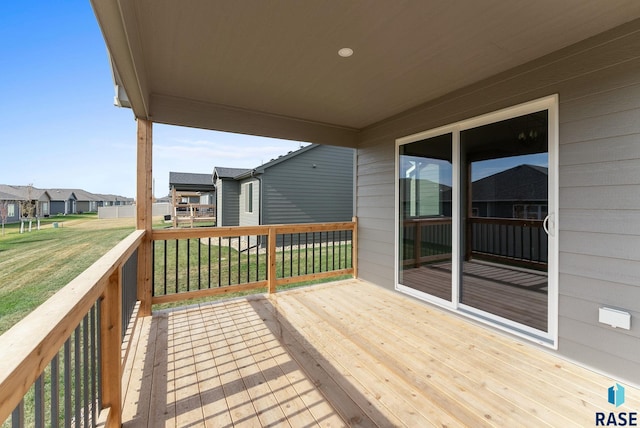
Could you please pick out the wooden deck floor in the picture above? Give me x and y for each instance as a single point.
(516, 294)
(347, 354)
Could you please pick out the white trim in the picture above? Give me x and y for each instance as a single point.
(550, 337)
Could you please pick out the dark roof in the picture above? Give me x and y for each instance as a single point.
(241, 173)
(223, 172)
(191, 181)
(520, 183)
(62, 194)
(283, 158)
(22, 192)
(7, 197)
(112, 198)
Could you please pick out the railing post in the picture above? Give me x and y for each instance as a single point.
(417, 244)
(144, 220)
(271, 270)
(354, 247)
(110, 341)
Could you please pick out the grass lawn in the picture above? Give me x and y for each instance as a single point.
(34, 265)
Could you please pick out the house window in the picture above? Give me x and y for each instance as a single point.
(529, 211)
(11, 210)
(248, 201)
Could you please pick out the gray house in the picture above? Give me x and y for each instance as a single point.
(227, 195)
(13, 209)
(63, 201)
(193, 183)
(461, 86)
(15, 195)
(311, 185)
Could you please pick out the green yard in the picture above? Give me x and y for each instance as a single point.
(34, 265)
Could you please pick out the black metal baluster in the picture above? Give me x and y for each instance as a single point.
(248, 259)
(258, 240)
(199, 262)
(99, 351)
(339, 249)
(94, 407)
(239, 260)
(320, 250)
(55, 391)
(298, 245)
(229, 260)
(219, 261)
(39, 401)
(177, 265)
(291, 254)
(153, 268)
(188, 264)
(282, 252)
(165, 267)
(85, 368)
(17, 416)
(333, 250)
(76, 368)
(209, 263)
(306, 253)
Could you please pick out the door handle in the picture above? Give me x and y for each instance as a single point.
(545, 224)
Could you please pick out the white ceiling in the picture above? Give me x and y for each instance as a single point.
(279, 57)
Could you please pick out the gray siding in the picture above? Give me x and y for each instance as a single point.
(250, 218)
(598, 82)
(227, 203)
(294, 191)
(16, 212)
(57, 207)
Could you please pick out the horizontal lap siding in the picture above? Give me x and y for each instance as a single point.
(294, 191)
(249, 218)
(228, 203)
(598, 82)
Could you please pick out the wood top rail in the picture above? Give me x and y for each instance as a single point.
(421, 221)
(523, 222)
(233, 231)
(28, 347)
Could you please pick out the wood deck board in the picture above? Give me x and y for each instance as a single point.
(511, 293)
(347, 353)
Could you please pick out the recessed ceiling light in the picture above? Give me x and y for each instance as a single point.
(345, 52)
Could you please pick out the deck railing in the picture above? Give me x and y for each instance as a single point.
(516, 241)
(72, 344)
(206, 262)
(62, 364)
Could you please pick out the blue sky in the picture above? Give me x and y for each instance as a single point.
(58, 124)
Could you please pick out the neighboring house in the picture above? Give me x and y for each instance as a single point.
(462, 82)
(13, 208)
(86, 202)
(192, 197)
(63, 201)
(74, 201)
(228, 195)
(113, 200)
(311, 185)
(200, 184)
(39, 197)
(519, 192)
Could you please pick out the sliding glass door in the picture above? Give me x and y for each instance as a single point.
(476, 224)
(504, 200)
(425, 179)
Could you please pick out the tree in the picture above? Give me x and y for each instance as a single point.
(27, 208)
(4, 213)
